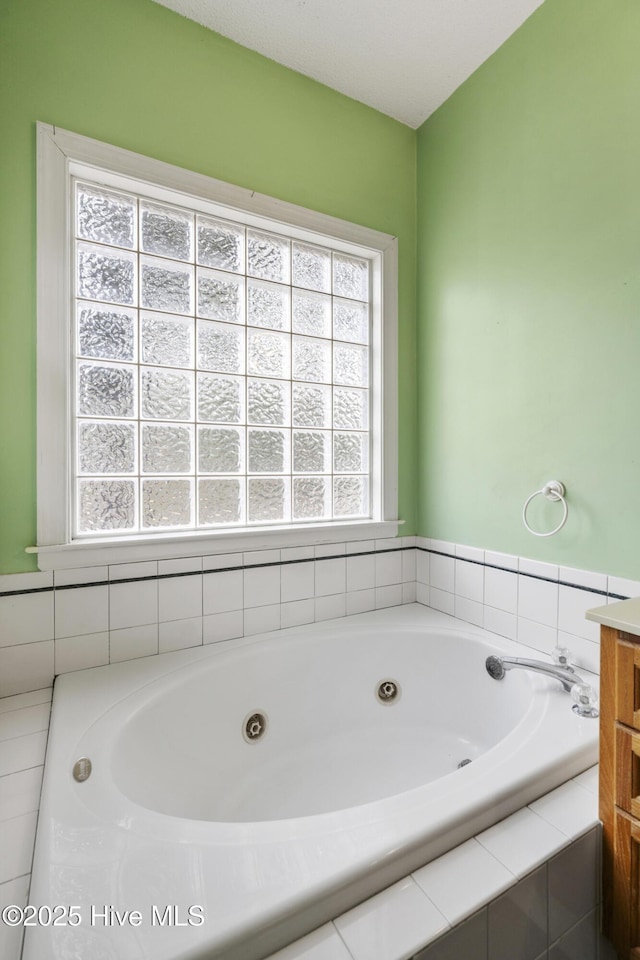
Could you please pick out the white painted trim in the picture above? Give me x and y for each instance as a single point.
(62, 154)
(389, 382)
(53, 341)
(197, 185)
(83, 553)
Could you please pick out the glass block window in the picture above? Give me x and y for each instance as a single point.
(222, 370)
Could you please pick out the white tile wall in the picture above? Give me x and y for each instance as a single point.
(27, 666)
(222, 592)
(361, 573)
(24, 721)
(223, 626)
(522, 841)
(329, 608)
(331, 577)
(538, 601)
(130, 604)
(463, 880)
(119, 620)
(86, 610)
(501, 590)
(78, 653)
(14, 892)
(388, 568)
(469, 580)
(361, 601)
(297, 581)
(469, 904)
(324, 943)
(261, 586)
(261, 619)
(396, 923)
(26, 618)
(132, 642)
(178, 634)
(180, 598)
(442, 572)
(539, 604)
(297, 612)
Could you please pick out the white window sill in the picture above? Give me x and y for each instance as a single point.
(96, 552)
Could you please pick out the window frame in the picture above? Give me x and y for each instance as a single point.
(63, 155)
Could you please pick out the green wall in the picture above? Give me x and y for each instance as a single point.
(528, 206)
(134, 74)
(529, 292)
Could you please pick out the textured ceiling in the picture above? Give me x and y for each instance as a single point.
(402, 57)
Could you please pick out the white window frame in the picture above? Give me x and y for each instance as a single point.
(62, 155)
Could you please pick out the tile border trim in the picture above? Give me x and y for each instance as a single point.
(195, 573)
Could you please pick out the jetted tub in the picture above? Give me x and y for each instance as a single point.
(244, 793)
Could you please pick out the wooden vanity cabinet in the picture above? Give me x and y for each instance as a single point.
(620, 789)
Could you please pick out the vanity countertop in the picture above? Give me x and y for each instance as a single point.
(623, 615)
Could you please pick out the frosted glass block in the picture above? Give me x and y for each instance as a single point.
(220, 450)
(268, 451)
(106, 447)
(220, 297)
(350, 364)
(350, 496)
(220, 399)
(311, 405)
(311, 359)
(350, 277)
(350, 409)
(166, 286)
(220, 347)
(311, 498)
(166, 448)
(311, 314)
(350, 321)
(106, 505)
(166, 394)
(220, 501)
(106, 217)
(350, 452)
(268, 305)
(220, 244)
(268, 402)
(311, 452)
(311, 267)
(166, 503)
(165, 231)
(268, 256)
(268, 499)
(268, 354)
(166, 340)
(106, 334)
(105, 274)
(105, 391)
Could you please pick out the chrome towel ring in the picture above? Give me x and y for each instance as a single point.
(553, 490)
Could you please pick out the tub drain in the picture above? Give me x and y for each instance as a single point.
(387, 691)
(254, 727)
(82, 769)
(463, 763)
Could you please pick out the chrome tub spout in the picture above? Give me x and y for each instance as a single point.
(498, 666)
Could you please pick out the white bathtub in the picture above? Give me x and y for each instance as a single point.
(341, 796)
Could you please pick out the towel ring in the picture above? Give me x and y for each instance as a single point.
(553, 490)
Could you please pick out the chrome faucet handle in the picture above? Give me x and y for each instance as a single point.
(585, 698)
(562, 656)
